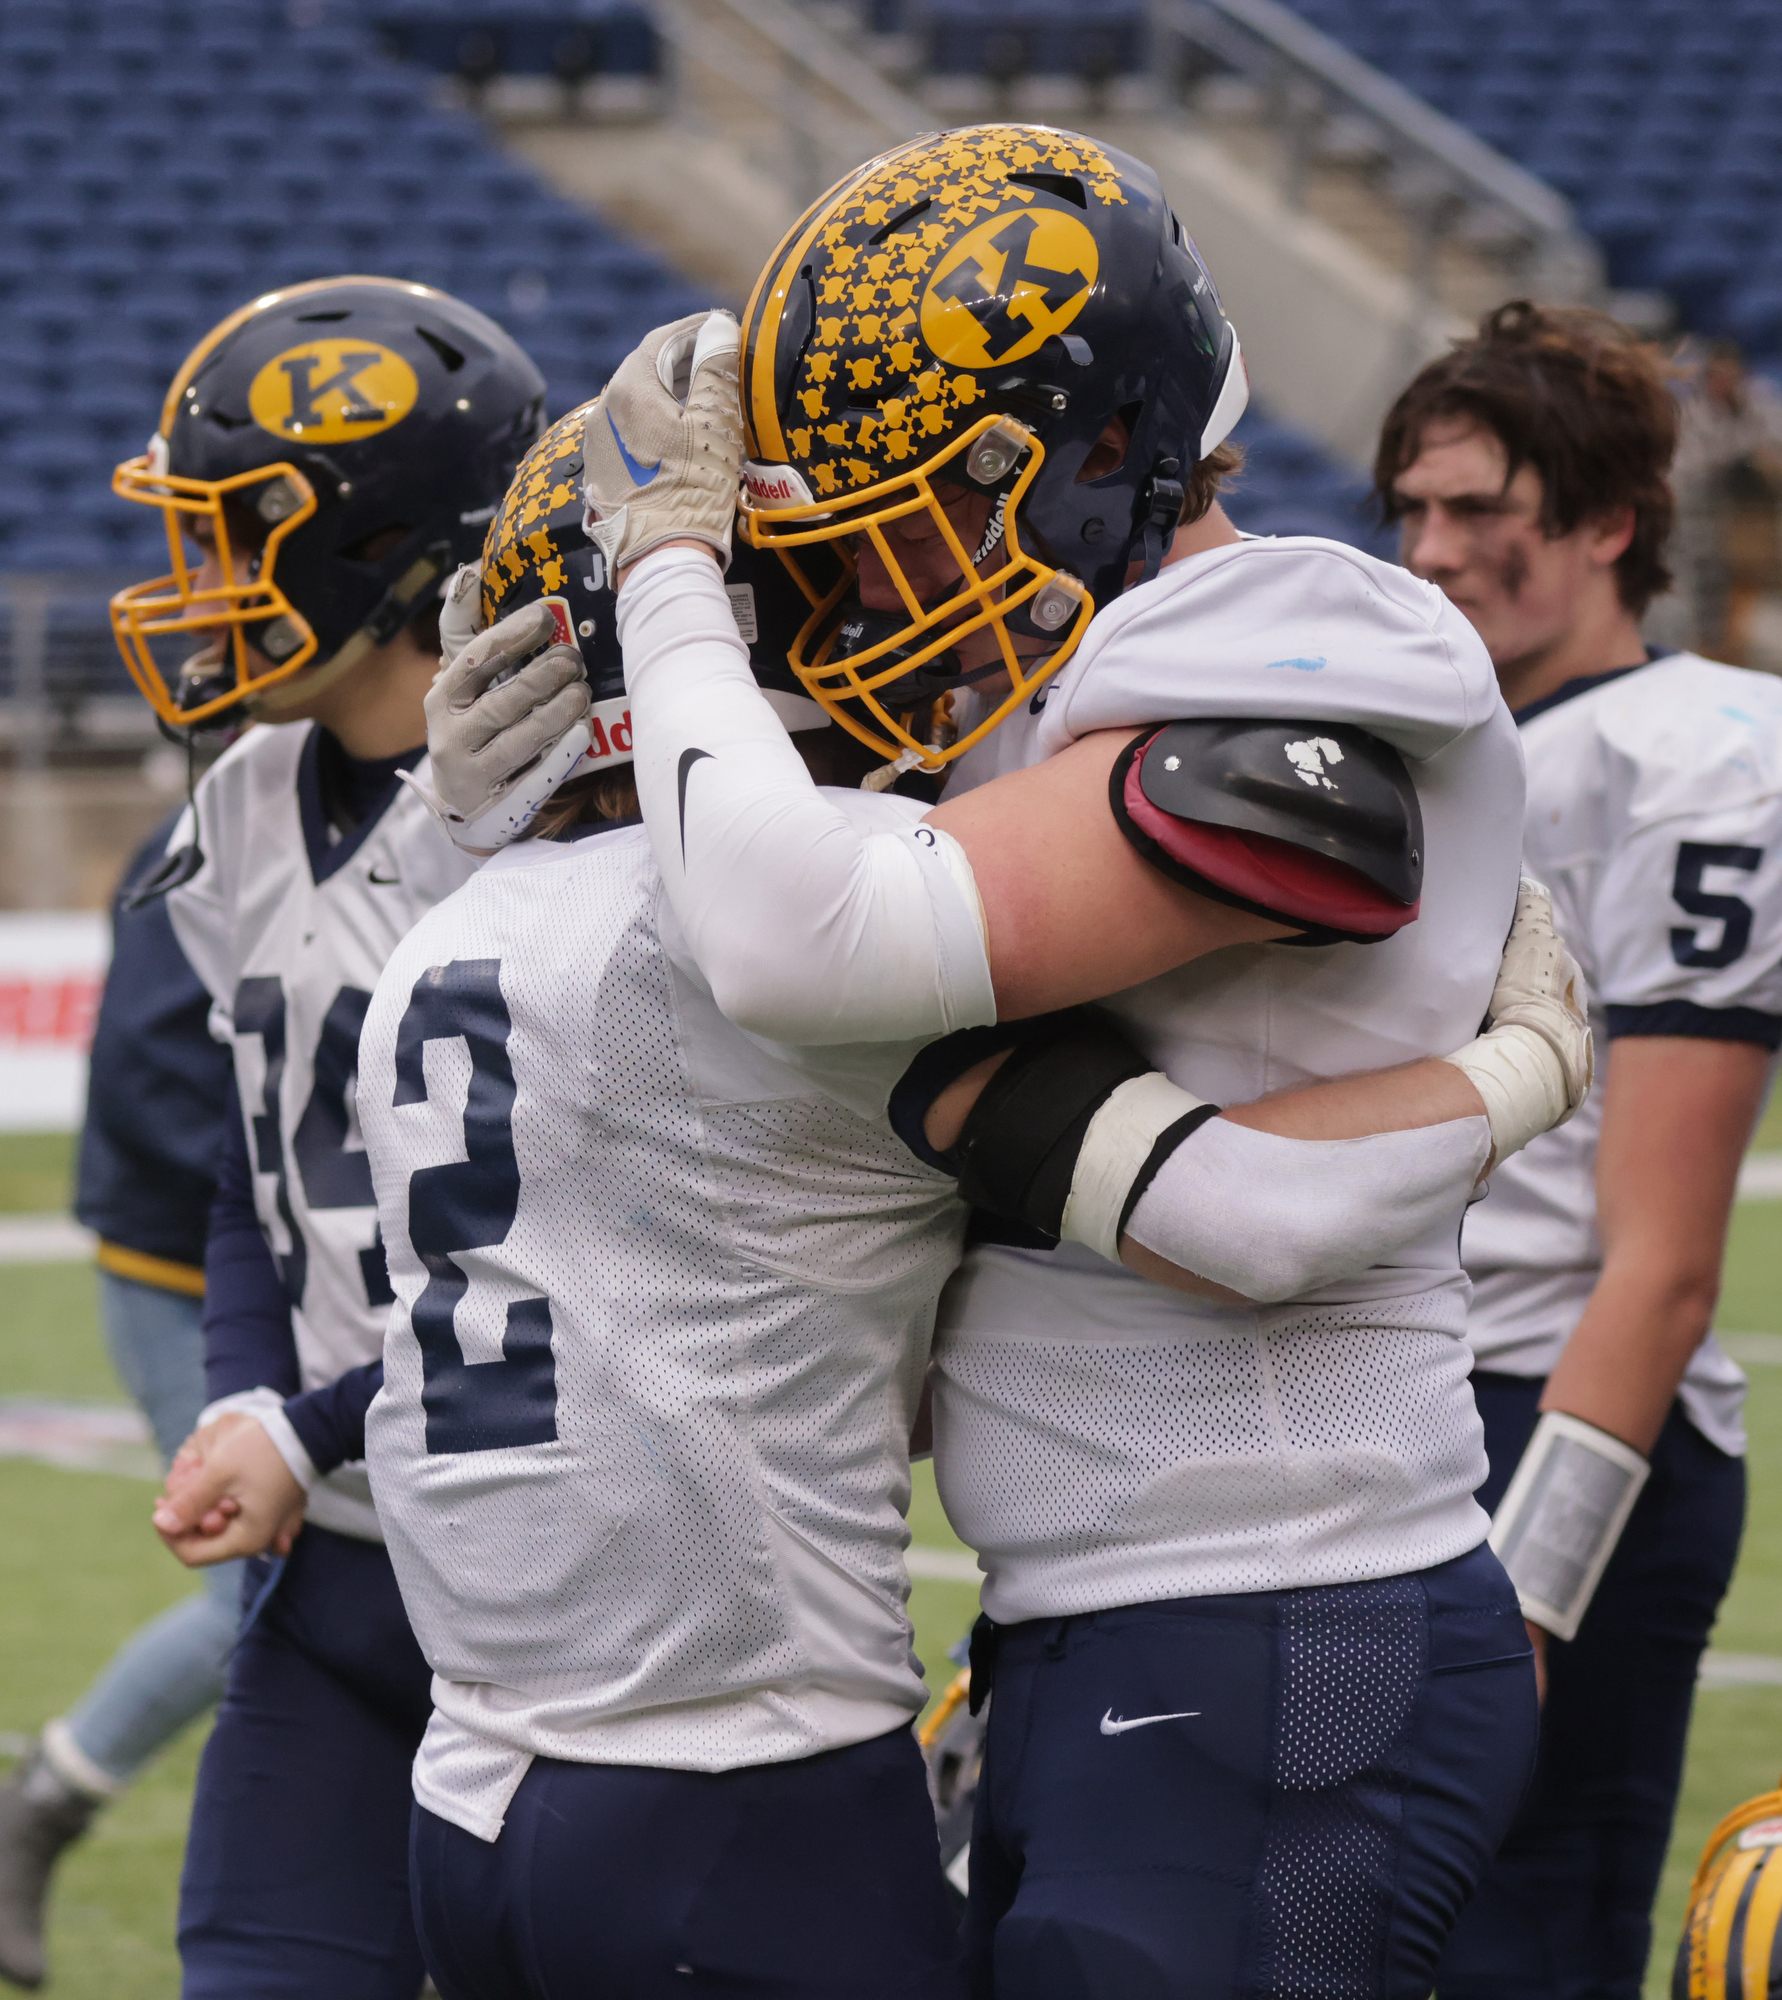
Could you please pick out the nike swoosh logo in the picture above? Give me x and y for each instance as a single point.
(1033, 708)
(641, 475)
(1117, 1725)
(688, 759)
(383, 881)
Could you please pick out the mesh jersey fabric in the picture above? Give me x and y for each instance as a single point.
(696, 1563)
(1660, 783)
(1102, 1441)
(288, 933)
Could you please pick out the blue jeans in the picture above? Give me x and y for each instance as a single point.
(1284, 1793)
(1565, 1911)
(171, 1671)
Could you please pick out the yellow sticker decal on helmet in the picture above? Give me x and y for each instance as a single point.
(1008, 285)
(332, 391)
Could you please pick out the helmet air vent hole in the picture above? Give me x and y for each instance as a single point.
(320, 318)
(1065, 186)
(444, 349)
(904, 220)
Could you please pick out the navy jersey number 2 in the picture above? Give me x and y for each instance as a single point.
(470, 1204)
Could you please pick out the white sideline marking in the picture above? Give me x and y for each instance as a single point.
(44, 1239)
(1752, 1350)
(1740, 1670)
(1760, 1178)
(943, 1565)
(78, 1437)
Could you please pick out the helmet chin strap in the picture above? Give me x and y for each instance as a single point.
(392, 612)
(1164, 495)
(300, 688)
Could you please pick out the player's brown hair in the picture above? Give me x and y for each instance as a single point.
(1572, 393)
(1206, 477)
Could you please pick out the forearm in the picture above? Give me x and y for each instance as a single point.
(807, 928)
(330, 1422)
(1247, 1209)
(248, 1342)
(1677, 1113)
(1623, 1365)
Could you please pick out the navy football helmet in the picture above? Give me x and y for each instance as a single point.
(969, 313)
(538, 546)
(342, 446)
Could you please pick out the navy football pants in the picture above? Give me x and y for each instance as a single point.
(1565, 1912)
(814, 1880)
(1286, 1793)
(296, 1878)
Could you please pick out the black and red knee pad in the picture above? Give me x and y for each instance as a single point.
(1314, 824)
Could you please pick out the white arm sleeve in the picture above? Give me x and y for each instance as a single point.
(1274, 1218)
(808, 927)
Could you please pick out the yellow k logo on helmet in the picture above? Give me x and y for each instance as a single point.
(929, 360)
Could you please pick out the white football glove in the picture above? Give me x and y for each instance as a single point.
(1534, 1063)
(460, 611)
(502, 735)
(662, 449)
(1540, 987)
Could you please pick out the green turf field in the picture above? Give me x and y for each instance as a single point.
(80, 1569)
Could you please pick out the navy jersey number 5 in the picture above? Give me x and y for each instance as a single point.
(470, 1204)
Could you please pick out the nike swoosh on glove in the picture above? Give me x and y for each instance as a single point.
(503, 730)
(662, 449)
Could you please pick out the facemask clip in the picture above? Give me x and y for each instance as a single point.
(1056, 603)
(993, 455)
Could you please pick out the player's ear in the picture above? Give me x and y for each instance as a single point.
(1610, 535)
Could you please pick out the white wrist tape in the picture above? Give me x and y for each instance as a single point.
(1522, 1082)
(1115, 1151)
(1558, 1524)
(267, 1408)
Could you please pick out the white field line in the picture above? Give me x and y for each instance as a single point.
(44, 1239)
(1760, 1178)
(943, 1565)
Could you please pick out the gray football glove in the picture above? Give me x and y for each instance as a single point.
(662, 449)
(504, 731)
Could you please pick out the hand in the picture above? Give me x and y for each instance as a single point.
(1538, 1635)
(460, 611)
(492, 720)
(229, 1494)
(662, 449)
(1539, 987)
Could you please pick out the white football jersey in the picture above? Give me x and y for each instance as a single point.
(288, 929)
(1103, 1441)
(664, 1298)
(1655, 817)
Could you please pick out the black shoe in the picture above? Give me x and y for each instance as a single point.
(39, 1817)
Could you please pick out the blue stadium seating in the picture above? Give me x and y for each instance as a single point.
(161, 160)
(1661, 119)
(573, 38)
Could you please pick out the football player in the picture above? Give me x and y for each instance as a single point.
(985, 383)
(665, 1290)
(147, 1172)
(1527, 469)
(325, 457)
